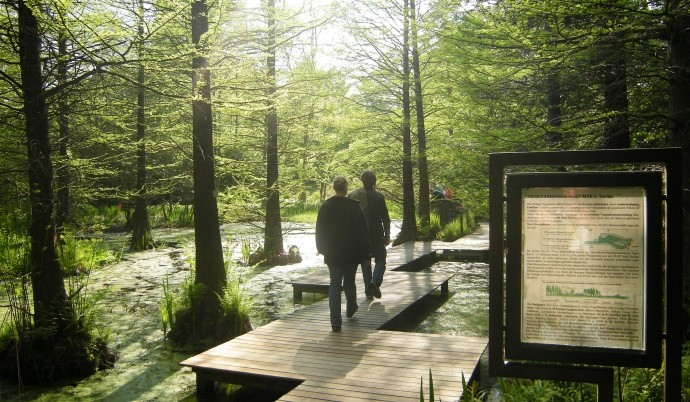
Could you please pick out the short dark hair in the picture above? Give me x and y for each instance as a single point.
(340, 184)
(368, 178)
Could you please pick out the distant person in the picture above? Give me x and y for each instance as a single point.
(341, 236)
(437, 192)
(373, 204)
(447, 194)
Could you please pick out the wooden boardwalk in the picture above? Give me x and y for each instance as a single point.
(362, 362)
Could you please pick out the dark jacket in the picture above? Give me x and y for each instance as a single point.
(341, 233)
(375, 211)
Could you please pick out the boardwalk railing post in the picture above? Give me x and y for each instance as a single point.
(204, 386)
(444, 289)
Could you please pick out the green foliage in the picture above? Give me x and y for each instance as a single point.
(100, 218)
(14, 248)
(73, 346)
(82, 255)
(685, 379)
(429, 230)
(640, 384)
(431, 388)
(299, 212)
(460, 226)
(167, 307)
(472, 392)
(453, 230)
(171, 215)
(246, 248)
(633, 384)
(515, 390)
(181, 312)
(235, 306)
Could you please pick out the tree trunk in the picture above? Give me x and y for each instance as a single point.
(424, 209)
(63, 215)
(616, 126)
(408, 230)
(555, 118)
(210, 271)
(273, 234)
(679, 126)
(49, 295)
(141, 230)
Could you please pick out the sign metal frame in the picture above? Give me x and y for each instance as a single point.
(650, 354)
(667, 160)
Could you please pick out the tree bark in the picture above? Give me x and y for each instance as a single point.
(273, 233)
(408, 230)
(63, 179)
(616, 126)
(210, 271)
(141, 229)
(424, 208)
(49, 295)
(554, 116)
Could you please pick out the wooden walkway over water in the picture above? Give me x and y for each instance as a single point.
(362, 362)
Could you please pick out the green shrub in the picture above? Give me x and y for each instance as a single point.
(429, 231)
(185, 313)
(100, 218)
(171, 215)
(82, 255)
(72, 346)
(451, 231)
(14, 251)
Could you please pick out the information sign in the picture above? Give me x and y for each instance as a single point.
(579, 264)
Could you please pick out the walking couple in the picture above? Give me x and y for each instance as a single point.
(350, 229)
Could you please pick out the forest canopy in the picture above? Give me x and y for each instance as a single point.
(496, 76)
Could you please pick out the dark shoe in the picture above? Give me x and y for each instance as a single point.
(374, 289)
(349, 313)
(336, 328)
(370, 297)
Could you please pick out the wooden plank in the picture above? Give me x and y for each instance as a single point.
(360, 362)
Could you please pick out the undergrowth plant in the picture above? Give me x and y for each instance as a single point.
(74, 345)
(80, 256)
(431, 388)
(171, 215)
(167, 307)
(99, 218)
(179, 311)
(429, 230)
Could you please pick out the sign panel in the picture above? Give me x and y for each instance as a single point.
(583, 267)
(583, 276)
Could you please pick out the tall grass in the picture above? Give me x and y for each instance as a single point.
(180, 311)
(299, 212)
(171, 215)
(167, 307)
(74, 344)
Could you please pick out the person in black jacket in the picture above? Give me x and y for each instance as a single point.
(341, 236)
(375, 211)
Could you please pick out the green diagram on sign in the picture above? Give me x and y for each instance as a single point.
(616, 241)
(555, 290)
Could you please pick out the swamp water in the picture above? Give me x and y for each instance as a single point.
(129, 293)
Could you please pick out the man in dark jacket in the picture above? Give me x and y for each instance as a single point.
(341, 236)
(375, 211)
